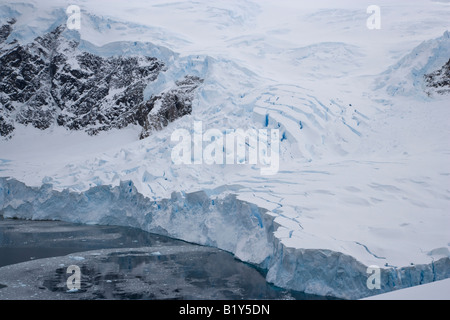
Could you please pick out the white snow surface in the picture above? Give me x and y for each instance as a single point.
(439, 290)
(364, 171)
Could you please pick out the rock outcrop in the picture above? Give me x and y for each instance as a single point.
(50, 81)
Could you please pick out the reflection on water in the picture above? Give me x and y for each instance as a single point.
(122, 263)
(22, 240)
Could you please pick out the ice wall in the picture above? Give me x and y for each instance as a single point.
(221, 221)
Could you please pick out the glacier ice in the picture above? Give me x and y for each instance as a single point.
(219, 220)
(352, 189)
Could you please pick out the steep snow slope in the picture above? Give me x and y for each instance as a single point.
(407, 76)
(363, 176)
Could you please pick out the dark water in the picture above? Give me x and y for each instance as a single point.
(22, 240)
(121, 263)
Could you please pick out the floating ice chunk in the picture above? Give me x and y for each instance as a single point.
(77, 258)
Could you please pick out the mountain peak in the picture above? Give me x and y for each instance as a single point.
(407, 76)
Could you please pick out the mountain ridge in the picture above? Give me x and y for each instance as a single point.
(50, 81)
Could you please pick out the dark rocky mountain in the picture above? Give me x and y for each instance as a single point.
(439, 80)
(50, 81)
(5, 30)
(172, 104)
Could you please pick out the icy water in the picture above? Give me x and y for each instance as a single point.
(120, 263)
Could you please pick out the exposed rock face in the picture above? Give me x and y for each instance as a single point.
(5, 30)
(439, 80)
(50, 81)
(177, 102)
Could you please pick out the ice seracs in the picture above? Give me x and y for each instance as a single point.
(228, 147)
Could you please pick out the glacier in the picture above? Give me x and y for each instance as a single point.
(364, 165)
(219, 220)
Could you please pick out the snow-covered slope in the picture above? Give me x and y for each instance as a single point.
(439, 290)
(407, 76)
(364, 174)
